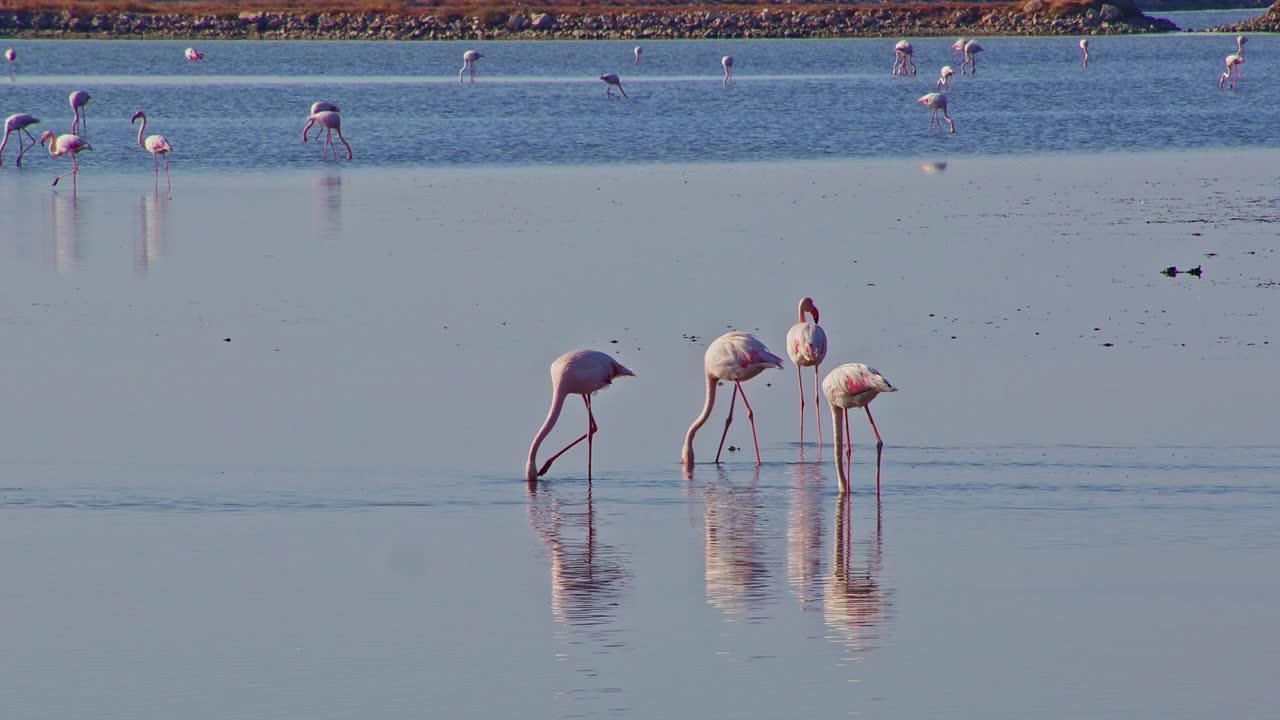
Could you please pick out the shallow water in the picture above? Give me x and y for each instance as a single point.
(265, 434)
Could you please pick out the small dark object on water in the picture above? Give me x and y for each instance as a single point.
(1108, 344)
(733, 449)
(1171, 271)
(1195, 271)
(226, 339)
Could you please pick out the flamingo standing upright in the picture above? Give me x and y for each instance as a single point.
(638, 52)
(957, 47)
(1233, 62)
(726, 62)
(469, 59)
(1240, 43)
(319, 107)
(1084, 52)
(807, 346)
(903, 55)
(156, 145)
(733, 357)
(330, 121)
(937, 102)
(944, 78)
(611, 81)
(78, 100)
(852, 385)
(62, 145)
(18, 123)
(580, 372)
(193, 55)
(971, 48)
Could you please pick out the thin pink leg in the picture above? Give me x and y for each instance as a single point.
(166, 173)
(817, 412)
(732, 399)
(800, 381)
(75, 168)
(751, 418)
(848, 442)
(879, 442)
(344, 142)
(591, 430)
(879, 452)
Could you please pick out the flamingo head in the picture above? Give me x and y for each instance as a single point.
(137, 115)
(45, 137)
(807, 306)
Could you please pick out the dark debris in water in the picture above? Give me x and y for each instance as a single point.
(1173, 271)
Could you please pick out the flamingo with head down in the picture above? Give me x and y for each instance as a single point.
(944, 78)
(331, 122)
(852, 385)
(726, 62)
(937, 102)
(469, 59)
(192, 55)
(733, 357)
(1084, 52)
(903, 56)
(1233, 62)
(78, 100)
(581, 372)
(971, 48)
(612, 81)
(18, 123)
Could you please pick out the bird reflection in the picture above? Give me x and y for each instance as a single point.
(934, 168)
(153, 212)
(326, 201)
(855, 602)
(588, 578)
(64, 226)
(737, 575)
(804, 533)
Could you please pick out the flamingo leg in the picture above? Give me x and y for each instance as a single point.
(732, 399)
(751, 418)
(817, 412)
(624, 92)
(585, 436)
(848, 441)
(344, 142)
(879, 453)
(800, 380)
(591, 434)
(21, 149)
(166, 174)
(75, 168)
(879, 442)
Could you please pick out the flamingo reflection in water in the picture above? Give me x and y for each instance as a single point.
(854, 602)
(737, 573)
(153, 210)
(589, 578)
(805, 536)
(64, 227)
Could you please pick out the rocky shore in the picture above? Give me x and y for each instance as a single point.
(1267, 22)
(1032, 17)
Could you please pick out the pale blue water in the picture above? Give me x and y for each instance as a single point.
(540, 102)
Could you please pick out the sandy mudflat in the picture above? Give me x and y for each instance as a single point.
(405, 317)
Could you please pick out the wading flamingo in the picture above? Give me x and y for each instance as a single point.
(1084, 52)
(62, 145)
(322, 106)
(957, 47)
(938, 103)
(726, 62)
(733, 357)
(156, 145)
(18, 123)
(581, 372)
(330, 121)
(852, 385)
(1233, 70)
(807, 346)
(469, 59)
(611, 81)
(1240, 42)
(193, 55)
(971, 48)
(903, 55)
(78, 100)
(638, 52)
(10, 55)
(944, 79)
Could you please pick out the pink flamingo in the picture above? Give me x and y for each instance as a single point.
(938, 103)
(1084, 52)
(903, 54)
(65, 144)
(10, 55)
(18, 123)
(1240, 42)
(944, 79)
(807, 346)
(469, 59)
(322, 106)
(330, 121)
(726, 62)
(852, 385)
(734, 357)
(1233, 70)
(971, 48)
(156, 145)
(957, 47)
(78, 100)
(193, 55)
(638, 52)
(611, 81)
(581, 372)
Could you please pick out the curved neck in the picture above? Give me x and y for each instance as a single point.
(5, 141)
(310, 121)
(142, 130)
(838, 441)
(686, 453)
(557, 403)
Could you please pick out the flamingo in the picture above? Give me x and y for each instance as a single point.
(18, 123)
(638, 52)
(580, 372)
(193, 55)
(734, 357)
(727, 63)
(156, 145)
(903, 54)
(1233, 62)
(79, 99)
(10, 55)
(322, 106)
(62, 145)
(611, 80)
(330, 121)
(852, 385)
(937, 102)
(944, 79)
(1240, 43)
(469, 59)
(971, 48)
(807, 346)
(1084, 52)
(957, 47)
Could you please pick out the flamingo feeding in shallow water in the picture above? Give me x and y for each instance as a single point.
(18, 123)
(330, 121)
(937, 102)
(193, 55)
(971, 48)
(78, 100)
(638, 52)
(852, 385)
(1233, 62)
(726, 62)
(732, 357)
(1084, 52)
(903, 55)
(469, 59)
(322, 106)
(944, 78)
(156, 145)
(957, 47)
(611, 81)
(10, 55)
(65, 144)
(581, 372)
(807, 346)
